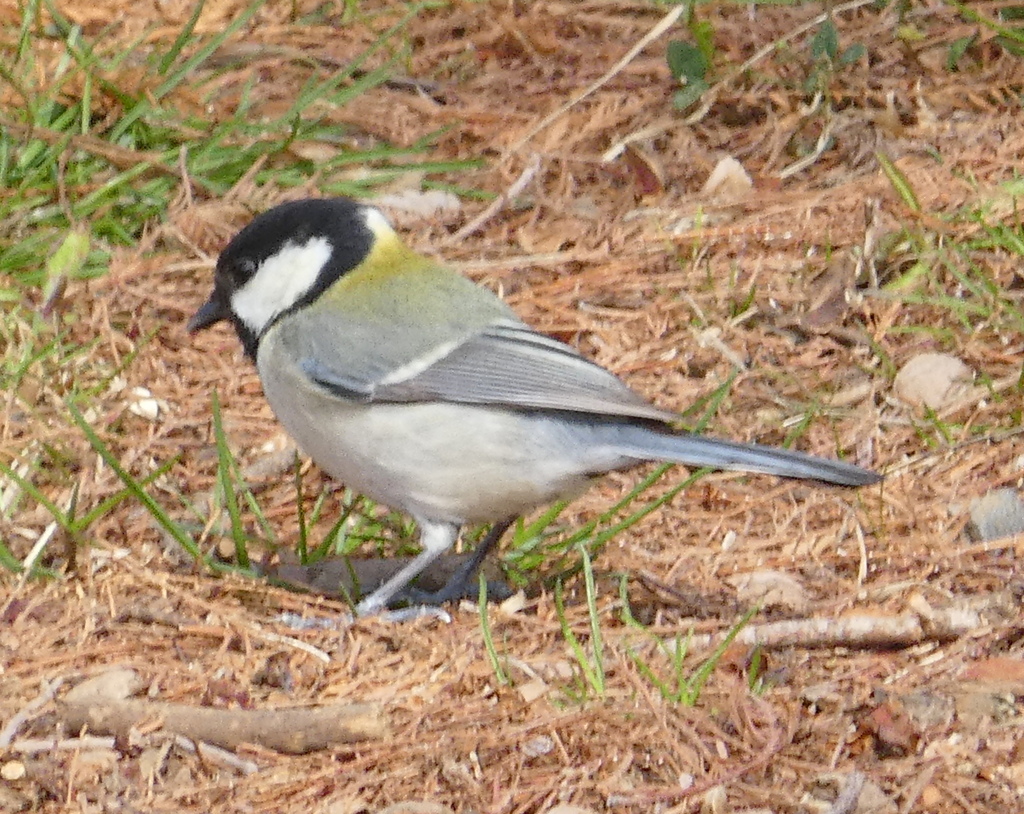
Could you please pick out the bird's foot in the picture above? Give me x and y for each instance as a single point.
(458, 588)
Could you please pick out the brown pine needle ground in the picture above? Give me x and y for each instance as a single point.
(676, 289)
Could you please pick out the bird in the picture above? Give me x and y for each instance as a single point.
(424, 391)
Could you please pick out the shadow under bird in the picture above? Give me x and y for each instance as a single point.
(422, 390)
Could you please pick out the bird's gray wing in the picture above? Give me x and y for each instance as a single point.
(505, 363)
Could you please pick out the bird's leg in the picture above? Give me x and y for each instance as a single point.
(461, 584)
(436, 538)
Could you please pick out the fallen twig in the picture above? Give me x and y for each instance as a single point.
(663, 25)
(856, 631)
(518, 186)
(14, 724)
(211, 754)
(100, 705)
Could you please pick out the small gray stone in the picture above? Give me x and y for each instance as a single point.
(998, 514)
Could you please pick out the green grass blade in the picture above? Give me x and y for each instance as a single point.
(225, 470)
(590, 674)
(183, 37)
(695, 685)
(178, 76)
(36, 494)
(899, 182)
(161, 517)
(596, 640)
(300, 511)
(500, 673)
(29, 20)
(104, 507)
(8, 561)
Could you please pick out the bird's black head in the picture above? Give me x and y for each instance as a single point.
(283, 260)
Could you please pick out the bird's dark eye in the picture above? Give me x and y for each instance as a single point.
(238, 271)
(247, 269)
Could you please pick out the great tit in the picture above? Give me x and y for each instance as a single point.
(424, 391)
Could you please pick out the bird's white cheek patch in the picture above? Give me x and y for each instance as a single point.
(377, 223)
(281, 281)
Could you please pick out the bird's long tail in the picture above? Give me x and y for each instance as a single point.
(697, 450)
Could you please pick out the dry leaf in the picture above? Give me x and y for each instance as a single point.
(648, 174)
(773, 589)
(728, 180)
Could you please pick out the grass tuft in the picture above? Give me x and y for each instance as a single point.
(107, 136)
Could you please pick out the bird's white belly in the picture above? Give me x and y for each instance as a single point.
(438, 461)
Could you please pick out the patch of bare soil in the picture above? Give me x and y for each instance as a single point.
(895, 667)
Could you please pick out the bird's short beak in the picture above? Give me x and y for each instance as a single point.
(211, 312)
